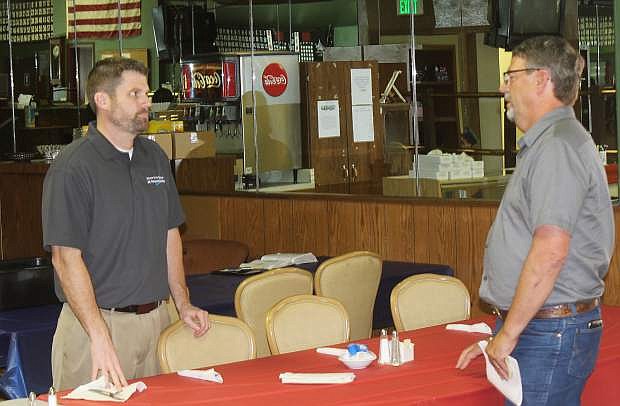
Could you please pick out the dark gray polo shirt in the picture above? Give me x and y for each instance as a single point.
(559, 180)
(118, 212)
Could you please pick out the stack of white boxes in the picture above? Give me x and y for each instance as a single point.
(448, 166)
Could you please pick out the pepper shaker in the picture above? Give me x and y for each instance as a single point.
(395, 350)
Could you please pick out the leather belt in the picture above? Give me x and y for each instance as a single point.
(137, 309)
(561, 310)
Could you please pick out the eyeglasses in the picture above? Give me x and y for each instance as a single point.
(507, 75)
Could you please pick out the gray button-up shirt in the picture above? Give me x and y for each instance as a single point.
(559, 180)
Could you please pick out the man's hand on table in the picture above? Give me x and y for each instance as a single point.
(497, 350)
(196, 318)
(105, 359)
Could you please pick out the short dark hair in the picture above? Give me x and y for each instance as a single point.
(106, 75)
(557, 56)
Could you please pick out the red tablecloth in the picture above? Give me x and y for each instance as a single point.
(430, 380)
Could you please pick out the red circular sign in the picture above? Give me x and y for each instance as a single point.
(275, 79)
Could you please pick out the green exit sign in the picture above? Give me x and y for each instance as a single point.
(406, 7)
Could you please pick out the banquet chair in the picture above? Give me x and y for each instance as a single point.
(428, 300)
(353, 280)
(257, 294)
(227, 340)
(306, 321)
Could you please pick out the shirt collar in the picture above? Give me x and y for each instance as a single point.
(105, 147)
(534, 133)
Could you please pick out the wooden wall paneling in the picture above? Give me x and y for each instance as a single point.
(242, 219)
(421, 233)
(371, 227)
(434, 233)
(202, 216)
(612, 280)
(399, 241)
(310, 226)
(484, 217)
(442, 227)
(343, 225)
(278, 215)
(21, 215)
(464, 242)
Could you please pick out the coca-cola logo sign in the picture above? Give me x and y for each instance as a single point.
(275, 79)
(206, 80)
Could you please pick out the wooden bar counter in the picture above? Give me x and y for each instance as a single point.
(443, 231)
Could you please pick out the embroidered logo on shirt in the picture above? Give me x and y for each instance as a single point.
(155, 180)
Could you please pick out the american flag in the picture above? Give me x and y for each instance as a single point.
(99, 18)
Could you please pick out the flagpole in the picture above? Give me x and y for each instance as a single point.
(120, 30)
(8, 26)
(77, 66)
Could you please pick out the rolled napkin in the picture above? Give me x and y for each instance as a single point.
(471, 328)
(206, 375)
(510, 388)
(332, 351)
(99, 390)
(317, 378)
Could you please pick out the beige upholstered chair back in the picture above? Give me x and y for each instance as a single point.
(306, 321)
(257, 294)
(429, 300)
(353, 280)
(227, 340)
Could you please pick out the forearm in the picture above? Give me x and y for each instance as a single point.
(78, 289)
(543, 265)
(176, 273)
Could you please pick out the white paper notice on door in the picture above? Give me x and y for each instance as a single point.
(361, 86)
(363, 129)
(328, 118)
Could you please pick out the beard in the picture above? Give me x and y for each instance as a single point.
(134, 125)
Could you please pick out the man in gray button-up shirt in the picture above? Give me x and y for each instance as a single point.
(550, 245)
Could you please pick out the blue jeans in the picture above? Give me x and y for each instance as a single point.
(556, 357)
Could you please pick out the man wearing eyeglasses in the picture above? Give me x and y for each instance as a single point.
(552, 239)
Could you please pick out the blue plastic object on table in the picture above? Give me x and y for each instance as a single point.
(25, 349)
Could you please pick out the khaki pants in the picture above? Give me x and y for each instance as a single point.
(134, 336)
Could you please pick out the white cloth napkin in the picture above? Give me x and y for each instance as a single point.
(206, 375)
(511, 388)
(471, 328)
(84, 392)
(332, 351)
(317, 378)
(22, 402)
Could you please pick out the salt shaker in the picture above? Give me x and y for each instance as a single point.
(384, 348)
(395, 350)
(51, 397)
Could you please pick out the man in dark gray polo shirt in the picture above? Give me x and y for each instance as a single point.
(111, 213)
(552, 239)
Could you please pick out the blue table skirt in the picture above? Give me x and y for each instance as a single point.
(215, 292)
(25, 349)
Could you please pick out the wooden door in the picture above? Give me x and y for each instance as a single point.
(328, 156)
(365, 158)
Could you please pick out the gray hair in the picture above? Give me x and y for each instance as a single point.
(557, 56)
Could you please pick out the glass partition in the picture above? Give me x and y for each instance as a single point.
(316, 96)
